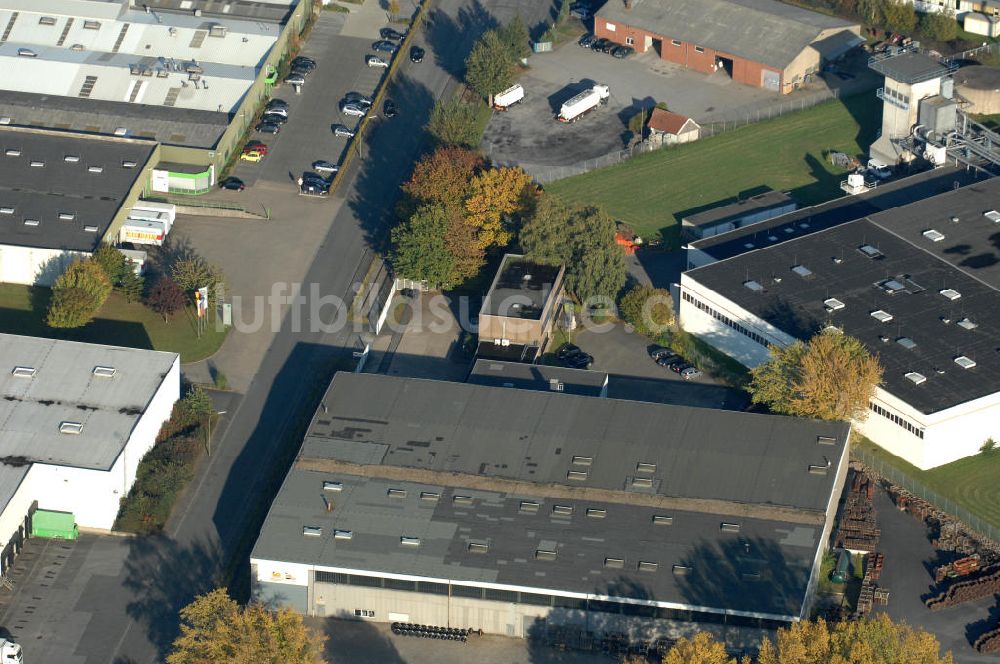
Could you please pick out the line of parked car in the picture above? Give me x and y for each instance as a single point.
(668, 359)
(605, 45)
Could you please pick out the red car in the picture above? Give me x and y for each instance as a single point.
(256, 145)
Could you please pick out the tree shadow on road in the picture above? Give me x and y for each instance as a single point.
(451, 39)
(355, 641)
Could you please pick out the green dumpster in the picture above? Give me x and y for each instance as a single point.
(46, 523)
(843, 564)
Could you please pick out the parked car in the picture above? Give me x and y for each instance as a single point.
(253, 156)
(879, 169)
(679, 366)
(385, 46)
(375, 61)
(310, 189)
(268, 128)
(417, 54)
(389, 33)
(322, 166)
(276, 110)
(340, 131)
(689, 373)
(609, 47)
(354, 110)
(572, 356)
(256, 145)
(232, 184)
(357, 98)
(586, 40)
(277, 103)
(315, 178)
(295, 79)
(659, 351)
(599, 43)
(303, 62)
(622, 51)
(389, 109)
(274, 118)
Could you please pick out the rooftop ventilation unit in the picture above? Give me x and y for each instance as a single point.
(881, 316)
(396, 493)
(645, 467)
(105, 372)
(907, 343)
(817, 469)
(23, 372)
(478, 547)
(681, 570)
(833, 304)
(582, 460)
(647, 566)
(528, 507)
(577, 475)
(802, 271)
(662, 520)
(933, 235)
(950, 293)
(562, 510)
(73, 428)
(409, 541)
(754, 286)
(544, 554)
(967, 323)
(429, 496)
(312, 531)
(596, 512)
(332, 486)
(992, 215)
(965, 362)
(915, 378)
(343, 534)
(870, 251)
(826, 440)
(729, 527)
(614, 563)
(461, 500)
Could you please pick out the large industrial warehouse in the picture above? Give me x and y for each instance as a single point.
(763, 43)
(508, 510)
(75, 420)
(918, 285)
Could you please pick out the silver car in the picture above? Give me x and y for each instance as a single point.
(323, 166)
(340, 131)
(355, 110)
(375, 61)
(296, 79)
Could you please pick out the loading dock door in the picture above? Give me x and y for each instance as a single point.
(647, 43)
(770, 80)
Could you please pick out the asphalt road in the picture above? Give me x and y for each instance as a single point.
(220, 517)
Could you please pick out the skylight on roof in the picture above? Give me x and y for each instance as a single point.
(6, 210)
(870, 251)
(907, 343)
(802, 271)
(881, 316)
(915, 378)
(833, 304)
(967, 324)
(31, 222)
(409, 541)
(647, 566)
(950, 293)
(23, 372)
(544, 554)
(332, 486)
(105, 372)
(992, 215)
(753, 285)
(965, 362)
(312, 531)
(343, 534)
(75, 428)
(933, 235)
(892, 286)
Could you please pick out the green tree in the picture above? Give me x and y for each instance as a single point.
(444, 176)
(872, 11)
(564, 9)
(489, 68)
(131, 286)
(649, 310)
(833, 377)
(195, 406)
(939, 26)
(120, 272)
(458, 123)
(516, 38)
(78, 294)
(195, 272)
(899, 16)
(216, 630)
(583, 239)
(420, 250)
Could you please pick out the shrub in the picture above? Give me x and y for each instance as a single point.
(77, 295)
(649, 310)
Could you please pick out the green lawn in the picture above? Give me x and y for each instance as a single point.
(970, 482)
(652, 192)
(118, 323)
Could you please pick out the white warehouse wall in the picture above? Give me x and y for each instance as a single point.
(32, 266)
(17, 508)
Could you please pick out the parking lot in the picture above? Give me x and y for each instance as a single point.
(529, 133)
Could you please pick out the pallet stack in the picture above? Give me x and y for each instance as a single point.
(957, 569)
(983, 584)
(988, 642)
(858, 528)
(873, 567)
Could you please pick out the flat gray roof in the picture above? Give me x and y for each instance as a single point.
(542, 377)
(910, 67)
(723, 213)
(53, 179)
(170, 126)
(764, 31)
(521, 288)
(65, 389)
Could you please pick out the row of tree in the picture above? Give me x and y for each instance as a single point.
(493, 62)
(899, 16)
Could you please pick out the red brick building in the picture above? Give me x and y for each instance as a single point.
(763, 43)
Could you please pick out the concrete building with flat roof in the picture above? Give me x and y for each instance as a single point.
(75, 420)
(61, 195)
(511, 510)
(919, 285)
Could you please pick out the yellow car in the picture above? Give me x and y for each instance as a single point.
(252, 155)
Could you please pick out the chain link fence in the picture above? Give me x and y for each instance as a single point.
(919, 489)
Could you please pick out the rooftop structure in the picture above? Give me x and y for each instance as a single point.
(739, 214)
(521, 288)
(539, 377)
(549, 496)
(910, 67)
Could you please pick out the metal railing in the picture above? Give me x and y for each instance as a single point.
(919, 489)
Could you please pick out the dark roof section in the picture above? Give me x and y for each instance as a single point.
(903, 279)
(170, 126)
(910, 67)
(538, 377)
(838, 211)
(520, 289)
(72, 186)
(510, 353)
(765, 31)
(759, 203)
(534, 437)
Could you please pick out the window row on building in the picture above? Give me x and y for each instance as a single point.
(726, 320)
(896, 419)
(538, 599)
